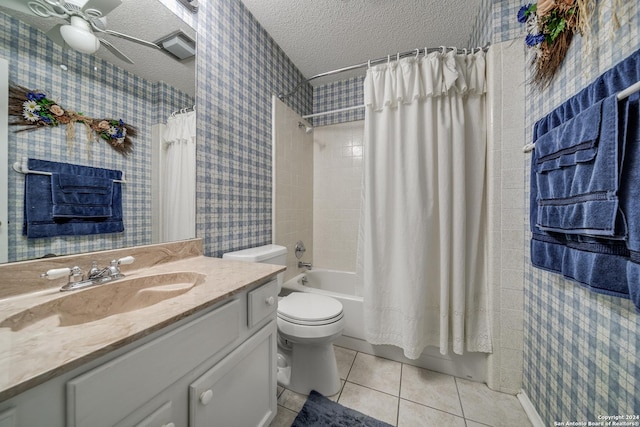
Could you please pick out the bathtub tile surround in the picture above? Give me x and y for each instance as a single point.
(109, 92)
(448, 401)
(293, 172)
(239, 68)
(337, 187)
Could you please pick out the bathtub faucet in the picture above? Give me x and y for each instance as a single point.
(306, 265)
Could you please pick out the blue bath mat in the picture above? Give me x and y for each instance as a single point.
(318, 411)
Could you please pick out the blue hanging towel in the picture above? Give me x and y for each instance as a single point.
(578, 170)
(585, 198)
(76, 212)
(81, 196)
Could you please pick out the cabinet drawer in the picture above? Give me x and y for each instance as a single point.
(262, 302)
(105, 395)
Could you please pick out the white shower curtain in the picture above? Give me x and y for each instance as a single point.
(422, 231)
(178, 190)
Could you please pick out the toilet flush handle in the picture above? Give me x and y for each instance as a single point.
(270, 301)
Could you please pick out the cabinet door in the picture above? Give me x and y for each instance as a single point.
(161, 417)
(240, 391)
(108, 393)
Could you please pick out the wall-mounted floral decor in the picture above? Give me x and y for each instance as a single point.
(33, 110)
(551, 25)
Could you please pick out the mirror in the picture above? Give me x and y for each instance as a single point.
(101, 85)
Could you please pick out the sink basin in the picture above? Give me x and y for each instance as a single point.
(88, 305)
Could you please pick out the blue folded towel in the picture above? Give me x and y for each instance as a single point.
(585, 198)
(39, 220)
(578, 169)
(80, 196)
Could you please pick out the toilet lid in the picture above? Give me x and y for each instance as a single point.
(307, 307)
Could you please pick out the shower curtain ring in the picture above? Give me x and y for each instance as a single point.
(417, 53)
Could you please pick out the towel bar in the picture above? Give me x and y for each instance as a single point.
(22, 168)
(623, 94)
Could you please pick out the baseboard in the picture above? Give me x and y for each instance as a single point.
(530, 410)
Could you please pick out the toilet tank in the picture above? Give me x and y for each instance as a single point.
(268, 254)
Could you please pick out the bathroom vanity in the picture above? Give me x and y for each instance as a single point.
(201, 357)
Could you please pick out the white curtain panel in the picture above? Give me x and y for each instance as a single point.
(178, 188)
(422, 245)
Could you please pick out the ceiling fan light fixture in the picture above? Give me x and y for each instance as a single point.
(78, 36)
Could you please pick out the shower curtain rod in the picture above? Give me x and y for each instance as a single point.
(416, 52)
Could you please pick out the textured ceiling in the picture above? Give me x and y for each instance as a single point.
(145, 19)
(323, 35)
(318, 35)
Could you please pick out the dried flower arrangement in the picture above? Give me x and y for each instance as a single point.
(551, 25)
(33, 110)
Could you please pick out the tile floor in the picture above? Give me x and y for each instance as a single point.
(405, 396)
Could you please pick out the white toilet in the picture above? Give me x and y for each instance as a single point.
(307, 326)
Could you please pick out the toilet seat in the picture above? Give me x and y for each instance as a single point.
(308, 309)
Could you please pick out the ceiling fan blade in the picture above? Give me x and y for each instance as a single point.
(35, 8)
(100, 25)
(104, 6)
(117, 52)
(133, 39)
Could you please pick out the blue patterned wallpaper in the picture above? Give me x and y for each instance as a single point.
(336, 95)
(581, 357)
(496, 22)
(239, 68)
(98, 89)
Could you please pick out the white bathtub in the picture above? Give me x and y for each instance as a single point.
(340, 285)
(344, 287)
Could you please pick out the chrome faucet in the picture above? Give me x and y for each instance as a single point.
(306, 265)
(96, 275)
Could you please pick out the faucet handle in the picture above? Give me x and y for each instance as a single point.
(56, 273)
(75, 274)
(126, 260)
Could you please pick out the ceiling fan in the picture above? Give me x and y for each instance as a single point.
(84, 19)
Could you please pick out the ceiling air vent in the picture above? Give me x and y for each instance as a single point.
(178, 45)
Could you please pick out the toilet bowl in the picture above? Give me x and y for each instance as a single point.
(307, 326)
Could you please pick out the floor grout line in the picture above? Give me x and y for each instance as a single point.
(398, 396)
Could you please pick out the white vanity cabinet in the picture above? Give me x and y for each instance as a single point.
(215, 368)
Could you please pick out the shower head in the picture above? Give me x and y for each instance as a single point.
(307, 129)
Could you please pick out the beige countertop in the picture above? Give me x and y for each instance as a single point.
(44, 349)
